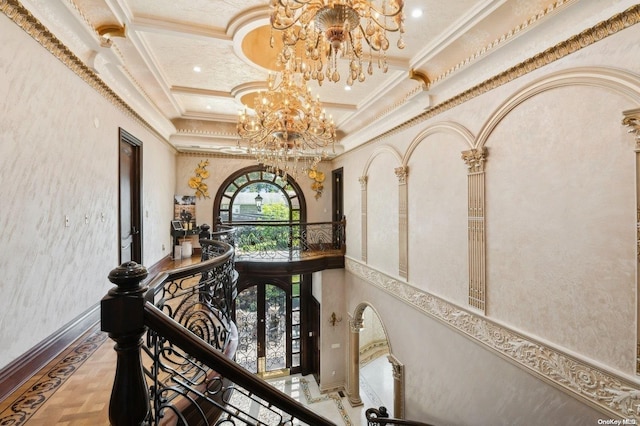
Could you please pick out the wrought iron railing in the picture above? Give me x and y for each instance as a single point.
(380, 417)
(183, 374)
(283, 241)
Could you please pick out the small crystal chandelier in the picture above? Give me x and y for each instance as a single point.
(289, 127)
(337, 28)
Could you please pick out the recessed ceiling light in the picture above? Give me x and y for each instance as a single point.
(347, 88)
(208, 106)
(416, 13)
(197, 69)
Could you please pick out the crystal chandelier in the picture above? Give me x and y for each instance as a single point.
(289, 127)
(331, 29)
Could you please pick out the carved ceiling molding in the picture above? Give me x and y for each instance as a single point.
(598, 32)
(605, 391)
(200, 132)
(14, 10)
(501, 40)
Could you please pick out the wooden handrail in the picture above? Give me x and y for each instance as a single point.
(128, 312)
(379, 417)
(196, 347)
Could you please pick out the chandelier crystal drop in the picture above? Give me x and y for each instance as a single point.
(287, 128)
(333, 29)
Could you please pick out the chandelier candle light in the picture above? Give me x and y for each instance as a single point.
(288, 126)
(336, 28)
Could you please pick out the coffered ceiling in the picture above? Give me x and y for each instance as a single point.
(184, 66)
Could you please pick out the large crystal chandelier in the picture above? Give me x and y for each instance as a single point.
(289, 129)
(352, 29)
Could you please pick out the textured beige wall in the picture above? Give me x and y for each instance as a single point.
(328, 290)
(59, 157)
(560, 238)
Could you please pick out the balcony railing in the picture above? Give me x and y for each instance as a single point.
(175, 341)
(282, 241)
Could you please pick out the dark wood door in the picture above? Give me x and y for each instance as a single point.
(313, 339)
(337, 206)
(337, 195)
(130, 223)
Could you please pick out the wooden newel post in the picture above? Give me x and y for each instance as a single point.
(122, 316)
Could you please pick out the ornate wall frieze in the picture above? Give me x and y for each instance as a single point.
(606, 391)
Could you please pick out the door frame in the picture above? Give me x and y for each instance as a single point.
(309, 361)
(284, 283)
(136, 195)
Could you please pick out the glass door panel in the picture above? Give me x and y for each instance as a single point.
(247, 323)
(276, 328)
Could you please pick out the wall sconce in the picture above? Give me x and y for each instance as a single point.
(107, 32)
(333, 319)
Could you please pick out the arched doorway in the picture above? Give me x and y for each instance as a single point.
(272, 310)
(371, 359)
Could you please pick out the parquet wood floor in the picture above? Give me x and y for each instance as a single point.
(74, 388)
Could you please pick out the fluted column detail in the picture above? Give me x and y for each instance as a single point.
(403, 221)
(632, 121)
(363, 215)
(397, 370)
(354, 362)
(475, 160)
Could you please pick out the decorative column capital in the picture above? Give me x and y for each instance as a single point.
(401, 173)
(363, 182)
(396, 366)
(632, 121)
(355, 325)
(475, 159)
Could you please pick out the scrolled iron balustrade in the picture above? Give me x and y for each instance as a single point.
(283, 241)
(380, 417)
(183, 375)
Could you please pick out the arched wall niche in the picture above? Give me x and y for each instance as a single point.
(378, 197)
(356, 323)
(437, 201)
(620, 91)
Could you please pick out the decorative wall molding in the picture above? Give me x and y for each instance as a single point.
(589, 36)
(363, 217)
(403, 221)
(501, 40)
(475, 160)
(631, 119)
(604, 390)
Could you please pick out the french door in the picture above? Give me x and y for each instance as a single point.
(269, 327)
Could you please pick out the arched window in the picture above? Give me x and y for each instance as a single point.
(252, 194)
